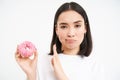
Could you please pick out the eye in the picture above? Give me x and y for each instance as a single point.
(63, 27)
(77, 26)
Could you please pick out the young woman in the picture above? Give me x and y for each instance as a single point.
(70, 47)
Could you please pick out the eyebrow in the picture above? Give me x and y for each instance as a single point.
(77, 21)
(63, 23)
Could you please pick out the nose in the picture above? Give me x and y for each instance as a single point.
(71, 32)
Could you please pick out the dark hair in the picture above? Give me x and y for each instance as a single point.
(86, 45)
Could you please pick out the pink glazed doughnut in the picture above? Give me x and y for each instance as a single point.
(26, 49)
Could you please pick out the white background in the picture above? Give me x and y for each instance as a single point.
(32, 20)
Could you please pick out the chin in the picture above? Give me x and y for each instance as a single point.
(72, 47)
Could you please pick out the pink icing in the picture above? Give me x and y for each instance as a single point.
(26, 49)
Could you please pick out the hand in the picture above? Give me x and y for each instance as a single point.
(28, 65)
(57, 66)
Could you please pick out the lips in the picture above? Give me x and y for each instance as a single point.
(70, 40)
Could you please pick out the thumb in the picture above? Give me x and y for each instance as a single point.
(35, 56)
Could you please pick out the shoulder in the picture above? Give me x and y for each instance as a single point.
(97, 67)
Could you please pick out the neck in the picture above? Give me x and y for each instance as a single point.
(70, 51)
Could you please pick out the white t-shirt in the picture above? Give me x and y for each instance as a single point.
(74, 66)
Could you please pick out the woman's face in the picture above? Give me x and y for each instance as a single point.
(70, 30)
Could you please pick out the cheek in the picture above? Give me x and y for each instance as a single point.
(61, 36)
(80, 37)
(81, 33)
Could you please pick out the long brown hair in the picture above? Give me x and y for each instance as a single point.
(86, 45)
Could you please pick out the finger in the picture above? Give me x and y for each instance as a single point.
(17, 53)
(52, 61)
(17, 56)
(35, 56)
(55, 55)
(54, 50)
